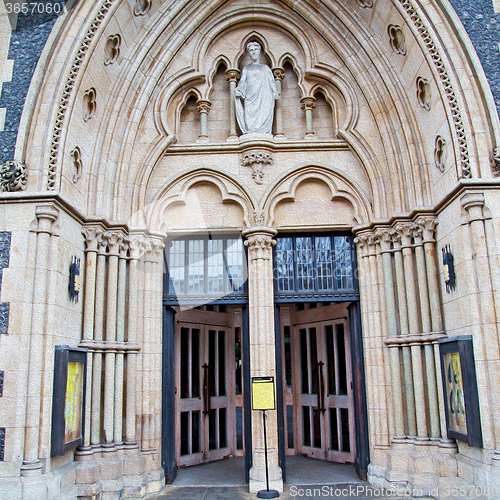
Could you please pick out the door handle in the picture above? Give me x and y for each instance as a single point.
(321, 395)
(206, 389)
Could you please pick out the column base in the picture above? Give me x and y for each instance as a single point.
(254, 486)
(268, 494)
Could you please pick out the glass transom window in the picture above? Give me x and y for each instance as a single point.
(208, 268)
(314, 264)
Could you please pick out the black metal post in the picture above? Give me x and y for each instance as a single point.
(266, 493)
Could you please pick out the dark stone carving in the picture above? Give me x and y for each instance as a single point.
(13, 176)
(495, 162)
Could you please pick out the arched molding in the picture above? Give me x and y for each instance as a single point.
(288, 58)
(340, 187)
(175, 193)
(221, 60)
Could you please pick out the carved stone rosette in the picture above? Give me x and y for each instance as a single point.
(13, 176)
(257, 160)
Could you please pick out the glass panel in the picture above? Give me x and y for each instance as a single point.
(344, 419)
(239, 428)
(304, 368)
(317, 428)
(222, 363)
(222, 428)
(237, 357)
(289, 426)
(212, 362)
(196, 264)
(215, 266)
(306, 424)
(343, 263)
(184, 433)
(330, 359)
(184, 362)
(195, 445)
(176, 266)
(334, 433)
(284, 263)
(195, 363)
(288, 356)
(339, 330)
(305, 265)
(212, 416)
(235, 265)
(324, 262)
(314, 361)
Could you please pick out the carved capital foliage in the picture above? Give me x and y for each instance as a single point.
(113, 240)
(428, 227)
(232, 75)
(92, 235)
(124, 246)
(384, 238)
(136, 246)
(13, 176)
(260, 246)
(279, 73)
(203, 105)
(308, 103)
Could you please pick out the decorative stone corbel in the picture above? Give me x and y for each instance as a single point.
(495, 162)
(13, 176)
(257, 160)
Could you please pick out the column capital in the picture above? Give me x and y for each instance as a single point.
(279, 73)
(92, 235)
(384, 238)
(259, 241)
(124, 246)
(203, 105)
(113, 240)
(307, 103)
(428, 226)
(405, 232)
(473, 206)
(232, 75)
(136, 246)
(46, 215)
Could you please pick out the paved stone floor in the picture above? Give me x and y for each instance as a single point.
(306, 479)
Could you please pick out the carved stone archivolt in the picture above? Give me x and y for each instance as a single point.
(257, 160)
(13, 176)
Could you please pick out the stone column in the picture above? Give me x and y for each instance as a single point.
(307, 104)
(135, 245)
(407, 231)
(390, 305)
(120, 338)
(404, 330)
(485, 334)
(203, 109)
(232, 76)
(46, 215)
(430, 363)
(95, 430)
(262, 351)
(279, 75)
(92, 238)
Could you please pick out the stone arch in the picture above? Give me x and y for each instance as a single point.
(175, 192)
(340, 188)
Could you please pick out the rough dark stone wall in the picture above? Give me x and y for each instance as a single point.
(26, 45)
(483, 27)
(5, 240)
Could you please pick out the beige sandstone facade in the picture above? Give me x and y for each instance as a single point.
(130, 136)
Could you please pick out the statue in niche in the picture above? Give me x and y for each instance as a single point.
(255, 96)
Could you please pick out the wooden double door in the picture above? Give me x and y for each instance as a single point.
(317, 381)
(208, 386)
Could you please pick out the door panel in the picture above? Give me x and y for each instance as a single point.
(207, 387)
(319, 403)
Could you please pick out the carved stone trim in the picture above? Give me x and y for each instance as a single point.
(112, 49)
(76, 156)
(109, 346)
(397, 39)
(495, 162)
(258, 217)
(257, 160)
(142, 7)
(68, 88)
(446, 82)
(13, 176)
(232, 75)
(402, 340)
(307, 103)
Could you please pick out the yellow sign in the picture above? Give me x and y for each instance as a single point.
(73, 407)
(263, 393)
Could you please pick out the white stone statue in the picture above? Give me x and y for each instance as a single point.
(255, 96)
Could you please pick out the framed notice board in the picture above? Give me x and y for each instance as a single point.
(463, 418)
(68, 405)
(263, 393)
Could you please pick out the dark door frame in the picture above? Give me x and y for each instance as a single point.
(362, 458)
(169, 462)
